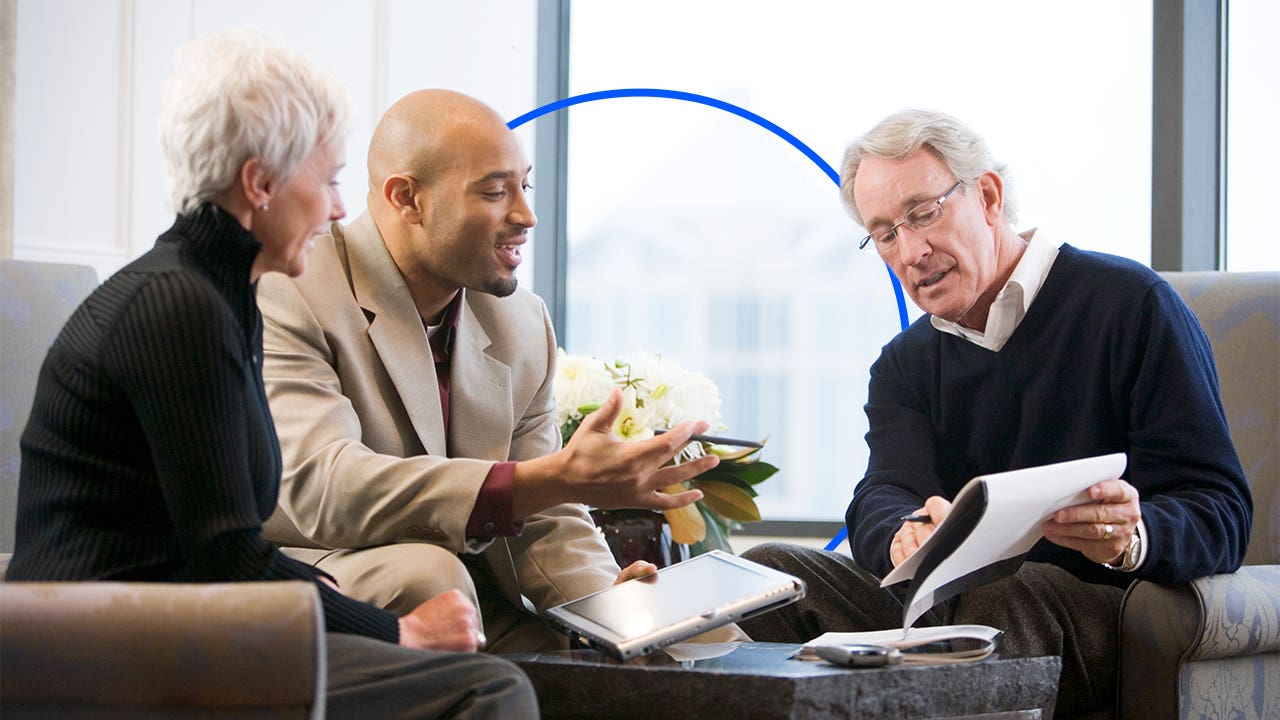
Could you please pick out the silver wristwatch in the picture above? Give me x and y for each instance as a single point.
(1129, 561)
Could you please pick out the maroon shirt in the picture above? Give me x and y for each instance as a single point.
(493, 513)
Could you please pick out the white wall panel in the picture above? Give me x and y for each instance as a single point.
(484, 48)
(88, 176)
(69, 95)
(159, 27)
(339, 35)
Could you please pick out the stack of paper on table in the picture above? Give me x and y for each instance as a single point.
(974, 642)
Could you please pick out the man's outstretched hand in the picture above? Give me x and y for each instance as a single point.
(598, 469)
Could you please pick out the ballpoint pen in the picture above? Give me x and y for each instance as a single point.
(716, 440)
(916, 518)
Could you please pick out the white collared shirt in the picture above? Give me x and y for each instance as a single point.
(1014, 299)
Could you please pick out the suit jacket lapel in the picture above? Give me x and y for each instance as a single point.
(396, 331)
(481, 420)
(482, 423)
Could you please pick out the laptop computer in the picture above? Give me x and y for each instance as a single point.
(705, 592)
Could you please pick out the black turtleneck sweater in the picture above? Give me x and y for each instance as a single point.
(150, 453)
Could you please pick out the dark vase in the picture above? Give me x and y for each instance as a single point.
(639, 535)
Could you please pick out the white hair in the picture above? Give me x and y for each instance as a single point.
(962, 150)
(237, 95)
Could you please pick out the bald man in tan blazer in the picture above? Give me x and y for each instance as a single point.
(411, 386)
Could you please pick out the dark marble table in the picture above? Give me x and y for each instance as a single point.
(758, 681)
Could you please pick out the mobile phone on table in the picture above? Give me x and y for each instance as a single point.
(860, 655)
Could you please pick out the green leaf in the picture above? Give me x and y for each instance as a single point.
(567, 430)
(730, 501)
(751, 473)
(715, 477)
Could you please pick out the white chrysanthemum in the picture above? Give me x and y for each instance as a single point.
(676, 394)
(658, 395)
(580, 380)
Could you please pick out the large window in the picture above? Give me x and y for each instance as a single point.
(1252, 59)
(699, 235)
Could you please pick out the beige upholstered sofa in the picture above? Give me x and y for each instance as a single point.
(149, 650)
(133, 650)
(1211, 648)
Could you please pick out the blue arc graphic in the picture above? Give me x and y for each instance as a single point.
(742, 113)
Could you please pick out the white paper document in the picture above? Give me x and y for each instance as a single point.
(994, 522)
(983, 641)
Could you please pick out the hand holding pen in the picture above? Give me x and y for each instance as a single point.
(916, 528)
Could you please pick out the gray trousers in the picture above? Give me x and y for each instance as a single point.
(373, 679)
(400, 577)
(1042, 609)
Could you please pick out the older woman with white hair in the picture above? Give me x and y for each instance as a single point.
(150, 453)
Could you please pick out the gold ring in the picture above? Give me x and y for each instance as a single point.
(1106, 535)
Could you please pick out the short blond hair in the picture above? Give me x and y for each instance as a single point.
(237, 95)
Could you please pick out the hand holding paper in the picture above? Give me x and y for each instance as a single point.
(993, 523)
(1100, 530)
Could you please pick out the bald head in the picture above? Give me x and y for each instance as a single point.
(417, 134)
(448, 184)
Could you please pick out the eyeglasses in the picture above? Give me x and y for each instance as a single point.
(917, 218)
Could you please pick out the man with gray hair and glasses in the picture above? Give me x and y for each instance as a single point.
(1030, 352)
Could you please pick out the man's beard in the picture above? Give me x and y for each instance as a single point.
(500, 286)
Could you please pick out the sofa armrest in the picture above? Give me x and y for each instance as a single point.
(1164, 627)
(213, 648)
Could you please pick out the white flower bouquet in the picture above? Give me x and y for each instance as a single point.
(658, 395)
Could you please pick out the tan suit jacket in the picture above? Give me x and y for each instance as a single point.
(353, 392)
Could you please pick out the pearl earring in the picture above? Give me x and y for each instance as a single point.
(264, 207)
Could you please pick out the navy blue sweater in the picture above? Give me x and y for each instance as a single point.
(1108, 359)
(150, 453)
